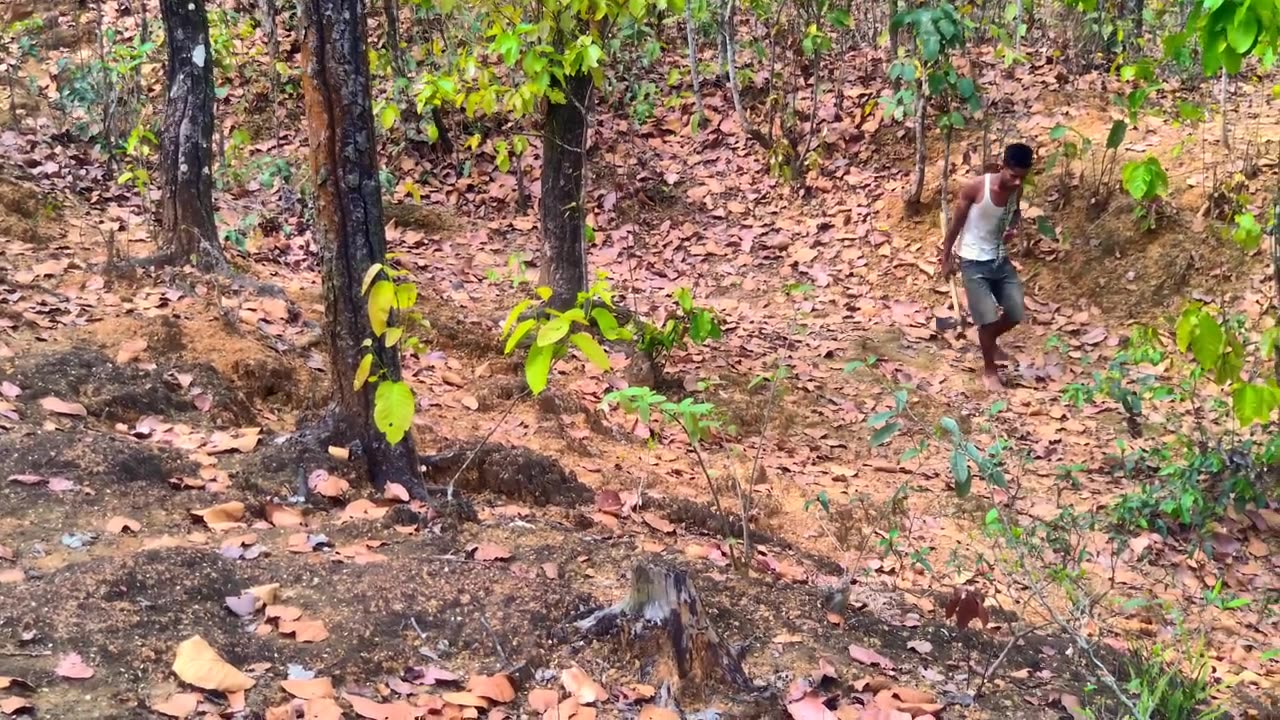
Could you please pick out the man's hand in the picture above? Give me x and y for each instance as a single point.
(947, 261)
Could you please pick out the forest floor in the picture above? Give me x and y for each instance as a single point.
(134, 401)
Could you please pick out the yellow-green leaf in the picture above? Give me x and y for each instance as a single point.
(544, 292)
(521, 330)
(537, 367)
(369, 275)
(590, 349)
(406, 295)
(393, 336)
(362, 370)
(382, 296)
(552, 332)
(513, 316)
(393, 407)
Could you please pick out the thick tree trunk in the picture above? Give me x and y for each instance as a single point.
(188, 233)
(349, 227)
(667, 630)
(564, 155)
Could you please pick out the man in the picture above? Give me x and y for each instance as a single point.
(984, 218)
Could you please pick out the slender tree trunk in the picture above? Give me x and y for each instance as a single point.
(893, 34)
(188, 232)
(1222, 102)
(943, 195)
(349, 229)
(564, 155)
(692, 37)
(917, 187)
(269, 13)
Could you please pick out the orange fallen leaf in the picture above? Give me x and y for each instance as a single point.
(321, 709)
(490, 551)
(374, 710)
(130, 350)
(395, 491)
(284, 613)
(306, 631)
(809, 707)
(582, 687)
(222, 517)
(197, 663)
(339, 453)
(653, 712)
(330, 486)
(120, 524)
(543, 699)
(12, 575)
(658, 523)
(498, 687)
(283, 516)
(309, 689)
(363, 509)
(62, 407)
(465, 699)
(179, 705)
(13, 705)
(73, 666)
(869, 657)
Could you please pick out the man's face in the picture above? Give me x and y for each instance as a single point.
(1011, 178)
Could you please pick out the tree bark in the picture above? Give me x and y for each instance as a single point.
(669, 632)
(922, 107)
(564, 155)
(349, 226)
(187, 231)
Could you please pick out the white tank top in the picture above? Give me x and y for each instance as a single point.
(982, 237)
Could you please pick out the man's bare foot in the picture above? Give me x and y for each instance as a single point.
(991, 380)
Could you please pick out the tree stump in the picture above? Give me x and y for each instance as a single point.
(666, 630)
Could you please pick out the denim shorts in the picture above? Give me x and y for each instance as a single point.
(992, 285)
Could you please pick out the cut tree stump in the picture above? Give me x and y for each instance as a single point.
(669, 634)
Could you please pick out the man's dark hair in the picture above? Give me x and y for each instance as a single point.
(1018, 156)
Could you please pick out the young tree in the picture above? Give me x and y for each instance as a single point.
(554, 57)
(188, 232)
(349, 229)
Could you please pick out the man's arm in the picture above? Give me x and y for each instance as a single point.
(959, 213)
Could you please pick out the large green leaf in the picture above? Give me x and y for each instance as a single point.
(607, 323)
(590, 349)
(1116, 136)
(885, 434)
(1243, 31)
(520, 331)
(1253, 403)
(537, 367)
(393, 408)
(552, 332)
(1207, 341)
(382, 297)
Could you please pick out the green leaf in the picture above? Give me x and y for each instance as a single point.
(362, 371)
(1243, 31)
(1208, 341)
(1270, 339)
(520, 331)
(552, 332)
(1046, 229)
(1186, 327)
(513, 316)
(537, 367)
(591, 349)
(607, 323)
(393, 407)
(960, 472)
(544, 292)
(881, 418)
(406, 295)
(392, 336)
(951, 426)
(1058, 132)
(382, 297)
(1253, 403)
(1116, 136)
(885, 434)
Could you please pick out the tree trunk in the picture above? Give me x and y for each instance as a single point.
(188, 232)
(349, 228)
(564, 155)
(922, 105)
(667, 630)
(691, 36)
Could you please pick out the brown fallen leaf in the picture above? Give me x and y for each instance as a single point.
(869, 657)
(580, 685)
(7, 682)
(498, 688)
(222, 517)
(179, 705)
(198, 664)
(465, 699)
(543, 699)
(653, 712)
(12, 575)
(810, 707)
(283, 516)
(330, 486)
(62, 407)
(130, 350)
(1072, 705)
(13, 705)
(309, 689)
(491, 551)
(265, 594)
(284, 613)
(339, 453)
(659, 523)
(306, 631)
(73, 666)
(924, 647)
(321, 709)
(6, 553)
(120, 524)
(395, 491)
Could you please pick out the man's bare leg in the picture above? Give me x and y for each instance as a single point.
(991, 353)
